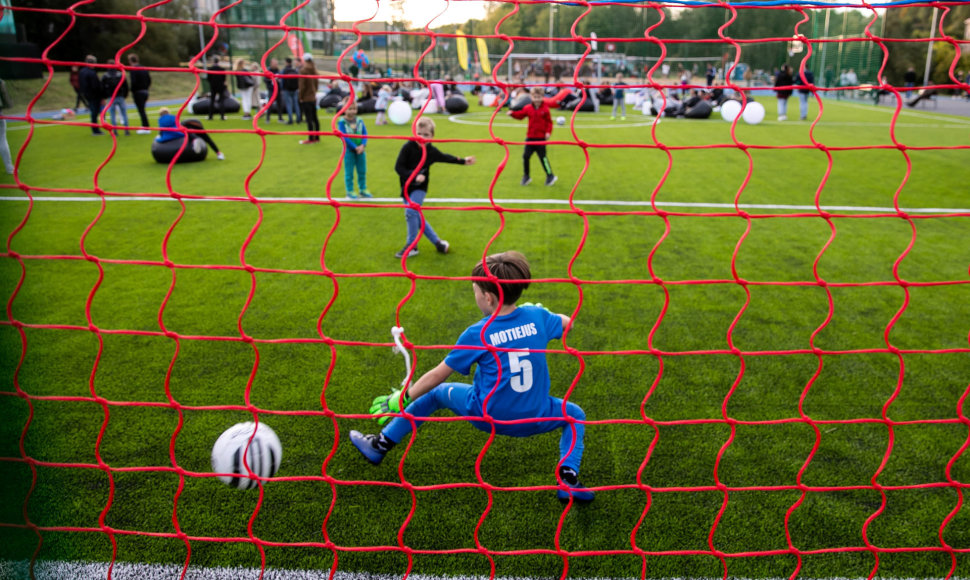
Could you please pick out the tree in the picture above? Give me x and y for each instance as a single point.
(95, 32)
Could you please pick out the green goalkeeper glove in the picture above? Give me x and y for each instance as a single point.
(537, 305)
(388, 404)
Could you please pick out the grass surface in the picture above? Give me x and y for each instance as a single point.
(693, 382)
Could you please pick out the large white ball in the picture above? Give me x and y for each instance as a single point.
(730, 110)
(753, 113)
(263, 458)
(560, 120)
(399, 112)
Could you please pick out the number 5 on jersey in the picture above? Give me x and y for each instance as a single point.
(521, 368)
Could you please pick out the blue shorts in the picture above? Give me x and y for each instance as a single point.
(457, 397)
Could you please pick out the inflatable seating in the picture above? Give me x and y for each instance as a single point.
(201, 106)
(367, 106)
(165, 152)
(701, 110)
(456, 104)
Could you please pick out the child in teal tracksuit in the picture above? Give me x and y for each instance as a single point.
(355, 140)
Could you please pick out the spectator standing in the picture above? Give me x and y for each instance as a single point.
(140, 80)
(75, 79)
(91, 91)
(619, 97)
(114, 86)
(274, 91)
(383, 102)
(291, 85)
(217, 89)
(783, 82)
(807, 80)
(4, 146)
(308, 99)
(247, 86)
(909, 80)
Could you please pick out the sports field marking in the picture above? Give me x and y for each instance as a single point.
(481, 118)
(472, 119)
(908, 112)
(513, 201)
(52, 570)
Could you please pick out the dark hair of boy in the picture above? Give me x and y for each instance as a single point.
(505, 266)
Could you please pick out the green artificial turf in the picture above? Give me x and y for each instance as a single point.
(130, 326)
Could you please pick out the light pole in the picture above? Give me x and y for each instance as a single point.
(552, 8)
(929, 49)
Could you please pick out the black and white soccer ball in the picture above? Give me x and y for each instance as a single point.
(263, 458)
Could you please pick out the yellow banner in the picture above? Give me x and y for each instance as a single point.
(462, 44)
(483, 56)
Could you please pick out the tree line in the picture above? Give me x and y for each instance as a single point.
(763, 35)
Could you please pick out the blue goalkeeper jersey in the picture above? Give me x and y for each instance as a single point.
(520, 336)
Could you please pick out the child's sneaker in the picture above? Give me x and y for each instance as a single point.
(221, 156)
(623, 118)
(351, 195)
(526, 180)
(368, 447)
(443, 246)
(550, 179)
(365, 193)
(570, 478)
(411, 254)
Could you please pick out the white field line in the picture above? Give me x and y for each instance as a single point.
(54, 570)
(481, 119)
(904, 112)
(513, 201)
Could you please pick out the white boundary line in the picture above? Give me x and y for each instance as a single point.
(956, 120)
(514, 201)
(56, 570)
(473, 119)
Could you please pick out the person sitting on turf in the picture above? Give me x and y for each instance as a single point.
(166, 120)
(511, 380)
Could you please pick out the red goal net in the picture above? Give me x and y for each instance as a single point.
(754, 213)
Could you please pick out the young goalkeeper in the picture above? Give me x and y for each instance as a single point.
(519, 389)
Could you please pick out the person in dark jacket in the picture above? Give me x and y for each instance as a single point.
(91, 91)
(783, 84)
(274, 91)
(217, 89)
(290, 86)
(140, 80)
(415, 179)
(308, 99)
(804, 92)
(114, 88)
(75, 79)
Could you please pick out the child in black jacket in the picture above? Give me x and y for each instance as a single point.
(415, 180)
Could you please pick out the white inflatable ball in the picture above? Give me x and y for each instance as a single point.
(730, 110)
(753, 113)
(560, 120)
(431, 108)
(263, 458)
(399, 112)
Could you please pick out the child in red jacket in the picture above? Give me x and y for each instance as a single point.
(540, 129)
